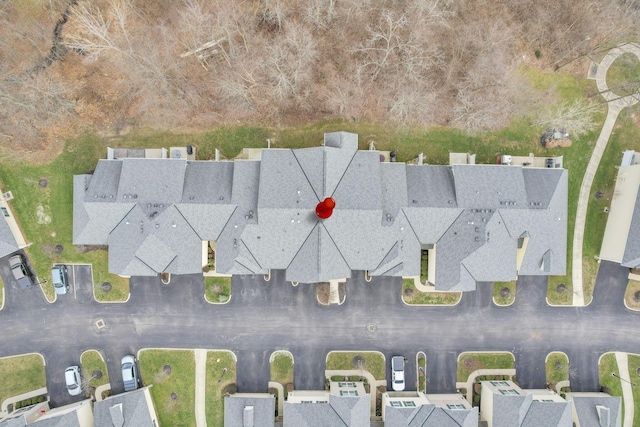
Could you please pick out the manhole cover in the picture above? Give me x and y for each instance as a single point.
(371, 327)
(58, 249)
(504, 292)
(561, 288)
(636, 296)
(173, 395)
(106, 286)
(166, 369)
(96, 374)
(100, 324)
(43, 182)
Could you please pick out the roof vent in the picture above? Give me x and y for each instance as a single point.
(247, 416)
(117, 418)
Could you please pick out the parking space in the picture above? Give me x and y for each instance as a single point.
(80, 281)
(16, 297)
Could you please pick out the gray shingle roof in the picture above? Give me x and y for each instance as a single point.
(430, 416)
(155, 213)
(523, 411)
(134, 410)
(8, 243)
(631, 257)
(69, 419)
(263, 409)
(340, 411)
(14, 422)
(587, 409)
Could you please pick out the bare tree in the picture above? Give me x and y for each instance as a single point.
(577, 117)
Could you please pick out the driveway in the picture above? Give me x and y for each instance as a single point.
(266, 316)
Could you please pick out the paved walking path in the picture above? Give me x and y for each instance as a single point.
(627, 392)
(201, 371)
(615, 105)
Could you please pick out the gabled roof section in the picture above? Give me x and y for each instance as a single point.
(490, 186)
(8, 243)
(133, 406)
(430, 187)
(360, 186)
(207, 182)
(152, 183)
(549, 414)
(102, 185)
(394, 190)
(430, 416)
(283, 184)
(262, 410)
(540, 185)
(589, 408)
(316, 257)
(312, 162)
(340, 411)
(631, 257)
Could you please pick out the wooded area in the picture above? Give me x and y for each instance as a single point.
(72, 65)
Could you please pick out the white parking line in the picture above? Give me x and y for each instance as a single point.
(74, 283)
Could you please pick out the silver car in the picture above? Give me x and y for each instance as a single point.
(20, 271)
(72, 380)
(129, 373)
(59, 279)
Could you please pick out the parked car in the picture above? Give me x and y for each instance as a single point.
(59, 279)
(72, 380)
(129, 373)
(20, 271)
(397, 373)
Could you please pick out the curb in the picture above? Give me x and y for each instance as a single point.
(281, 352)
(93, 291)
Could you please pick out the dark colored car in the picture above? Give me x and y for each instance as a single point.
(20, 271)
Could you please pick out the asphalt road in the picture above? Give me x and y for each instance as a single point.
(265, 316)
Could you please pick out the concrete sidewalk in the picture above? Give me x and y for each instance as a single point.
(627, 393)
(615, 104)
(201, 372)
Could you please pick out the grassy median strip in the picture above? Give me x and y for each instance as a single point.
(412, 296)
(281, 370)
(610, 384)
(172, 373)
(470, 362)
(94, 369)
(220, 381)
(557, 368)
(634, 377)
(632, 295)
(504, 293)
(370, 361)
(21, 374)
(217, 290)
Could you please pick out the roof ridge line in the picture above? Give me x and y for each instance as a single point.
(336, 245)
(305, 174)
(343, 172)
(185, 220)
(250, 253)
(302, 245)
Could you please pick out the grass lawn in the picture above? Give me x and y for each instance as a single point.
(634, 365)
(217, 290)
(411, 295)
(91, 362)
(281, 368)
(557, 367)
(509, 297)
(154, 365)
(21, 374)
(373, 362)
(632, 287)
(606, 368)
(469, 362)
(217, 361)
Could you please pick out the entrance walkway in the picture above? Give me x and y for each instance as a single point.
(615, 104)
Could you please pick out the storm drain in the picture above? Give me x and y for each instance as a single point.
(100, 324)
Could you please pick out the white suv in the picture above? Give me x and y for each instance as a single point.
(397, 373)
